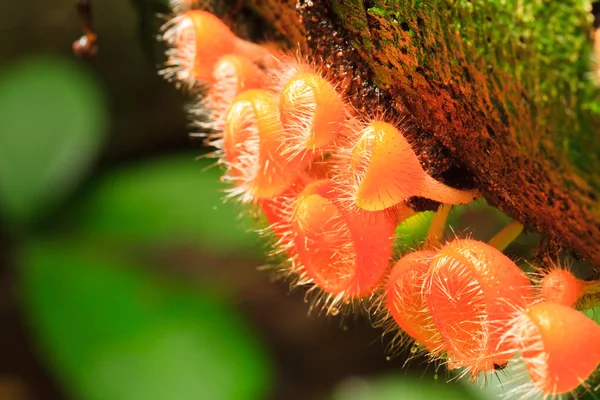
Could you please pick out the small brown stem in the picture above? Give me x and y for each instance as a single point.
(85, 46)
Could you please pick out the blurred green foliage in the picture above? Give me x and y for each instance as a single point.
(52, 119)
(173, 200)
(109, 325)
(113, 330)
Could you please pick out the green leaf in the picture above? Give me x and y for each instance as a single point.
(411, 233)
(113, 331)
(52, 119)
(399, 386)
(171, 200)
(593, 313)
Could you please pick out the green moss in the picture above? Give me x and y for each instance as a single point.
(526, 66)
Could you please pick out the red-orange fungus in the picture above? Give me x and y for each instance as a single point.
(312, 112)
(346, 254)
(252, 148)
(274, 211)
(387, 171)
(407, 302)
(559, 345)
(278, 210)
(472, 292)
(561, 286)
(199, 39)
(232, 75)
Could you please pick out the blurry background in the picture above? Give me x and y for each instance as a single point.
(122, 273)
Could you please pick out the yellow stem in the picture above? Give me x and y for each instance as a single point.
(506, 236)
(438, 225)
